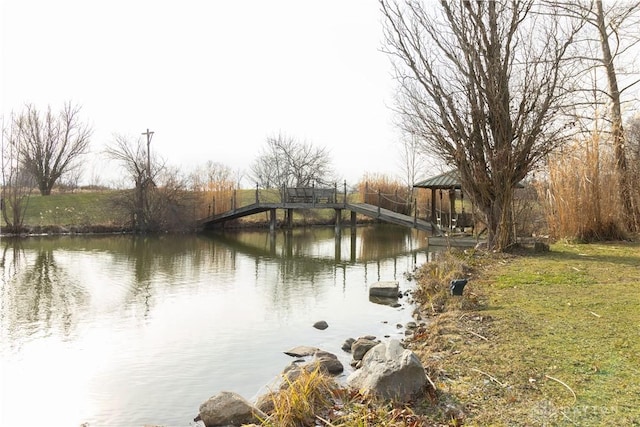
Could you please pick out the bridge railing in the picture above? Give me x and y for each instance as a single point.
(218, 202)
(397, 200)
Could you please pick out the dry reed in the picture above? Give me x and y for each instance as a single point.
(580, 197)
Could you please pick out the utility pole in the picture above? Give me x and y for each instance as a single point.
(149, 134)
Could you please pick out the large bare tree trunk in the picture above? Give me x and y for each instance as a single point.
(617, 131)
(499, 217)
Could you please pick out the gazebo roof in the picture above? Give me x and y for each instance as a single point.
(447, 180)
(443, 181)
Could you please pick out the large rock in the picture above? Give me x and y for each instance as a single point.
(301, 351)
(390, 372)
(361, 346)
(327, 362)
(229, 409)
(323, 360)
(388, 289)
(266, 403)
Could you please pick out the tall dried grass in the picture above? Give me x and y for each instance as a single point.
(217, 197)
(580, 198)
(386, 192)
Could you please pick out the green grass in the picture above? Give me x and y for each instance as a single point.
(554, 324)
(64, 209)
(91, 208)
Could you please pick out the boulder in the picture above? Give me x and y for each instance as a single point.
(328, 362)
(301, 351)
(388, 301)
(390, 372)
(346, 345)
(387, 289)
(228, 409)
(540, 247)
(323, 360)
(265, 402)
(361, 346)
(321, 324)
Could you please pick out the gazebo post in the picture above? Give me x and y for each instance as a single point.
(433, 205)
(452, 207)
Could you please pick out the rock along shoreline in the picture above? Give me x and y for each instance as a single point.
(383, 369)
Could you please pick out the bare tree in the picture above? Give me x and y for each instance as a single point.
(135, 160)
(16, 184)
(288, 162)
(52, 144)
(615, 36)
(159, 200)
(480, 84)
(412, 161)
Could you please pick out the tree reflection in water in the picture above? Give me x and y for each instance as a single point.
(38, 295)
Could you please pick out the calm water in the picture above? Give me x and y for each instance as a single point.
(123, 331)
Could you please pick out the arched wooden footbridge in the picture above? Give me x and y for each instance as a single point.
(317, 198)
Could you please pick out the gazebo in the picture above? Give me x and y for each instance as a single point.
(446, 181)
(449, 181)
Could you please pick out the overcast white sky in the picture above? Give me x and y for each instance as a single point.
(213, 79)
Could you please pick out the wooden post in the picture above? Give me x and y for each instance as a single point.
(353, 219)
(395, 201)
(433, 205)
(378, 203)
(440, 208)
(345, 193)
(257, 197)
(452, 207)
(289, 218)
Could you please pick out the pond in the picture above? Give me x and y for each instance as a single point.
(132, 330)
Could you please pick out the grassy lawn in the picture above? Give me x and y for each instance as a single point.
(90, 208)
(557, 342)
(79, 208)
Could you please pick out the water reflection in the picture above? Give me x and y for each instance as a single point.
(125, 330)
(45, 286)
(38, 295)
(350, 245)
